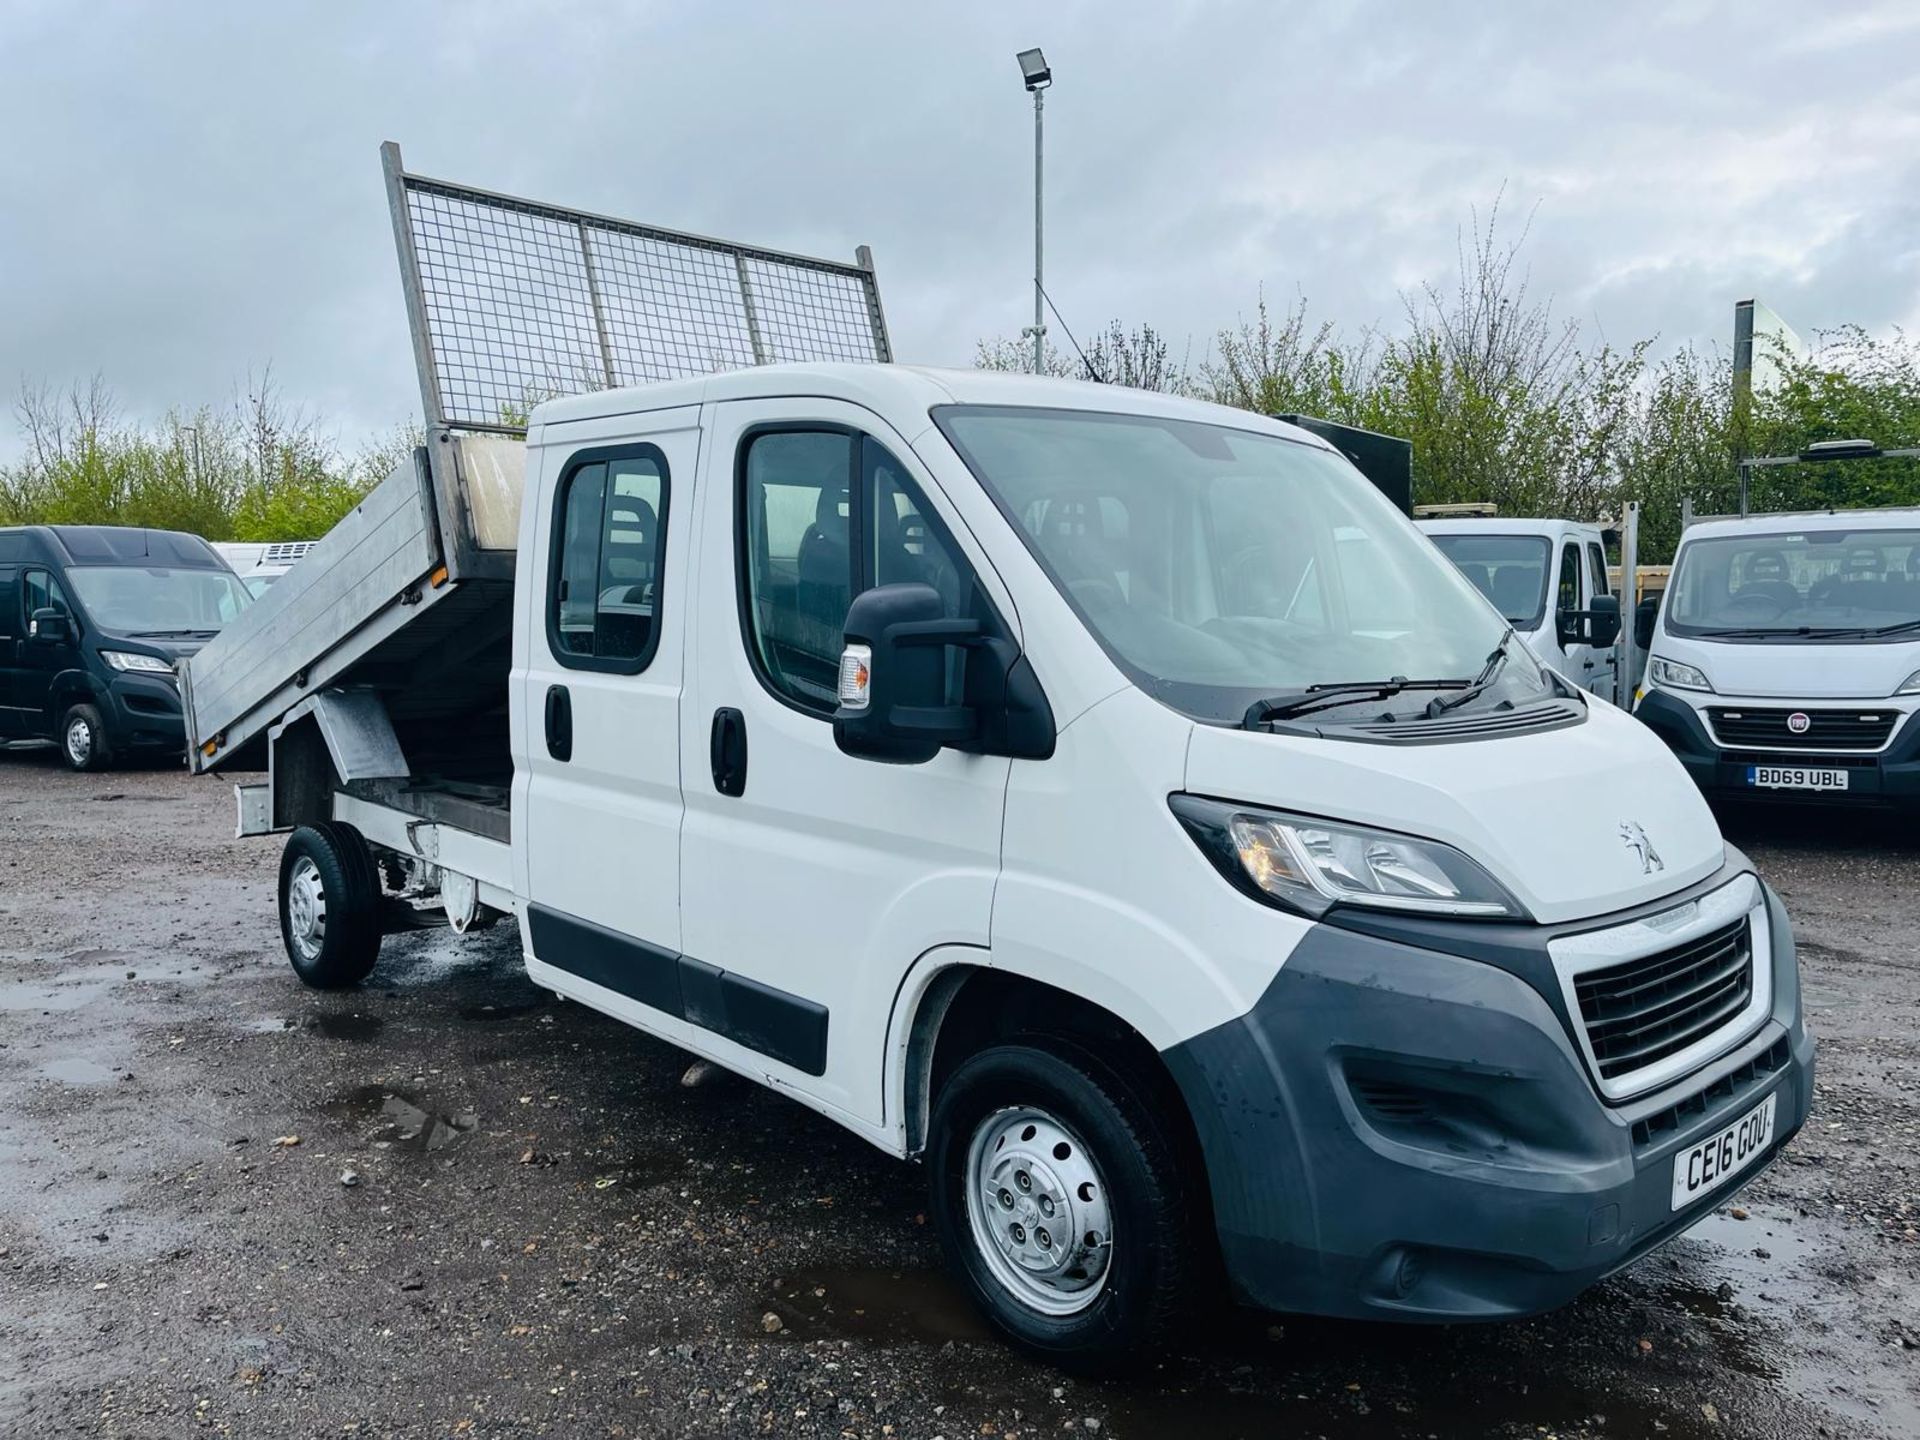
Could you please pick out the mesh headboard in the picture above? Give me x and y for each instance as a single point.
(513, 301)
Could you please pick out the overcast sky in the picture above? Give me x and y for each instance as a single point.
(194, 189)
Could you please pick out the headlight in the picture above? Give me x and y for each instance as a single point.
(1308, 865)
(1910, 685)
(144, 664)
(1674, 676)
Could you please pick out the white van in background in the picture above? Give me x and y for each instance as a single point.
(1549, 579)
(259, 565)
(1785, 660)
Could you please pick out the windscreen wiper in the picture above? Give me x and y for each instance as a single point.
(164, 634)
(1441, 704)
(1344, 692)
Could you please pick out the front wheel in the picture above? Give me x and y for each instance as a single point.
(329, 905)
(1059, 1195)
(83, 739)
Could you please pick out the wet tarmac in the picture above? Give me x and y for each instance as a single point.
(448, 1204)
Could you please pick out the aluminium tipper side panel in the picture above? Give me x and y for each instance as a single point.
(382, 552)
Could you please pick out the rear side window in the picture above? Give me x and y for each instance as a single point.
(1597, 571)
(609, 530)
(823, 515)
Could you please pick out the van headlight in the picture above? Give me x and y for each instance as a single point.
(141, 664)
(1910, 685)
(1309, 865)
(1672, 675)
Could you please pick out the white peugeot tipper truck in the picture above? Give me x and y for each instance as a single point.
(1784, 663)
(1548, 578)
(999, 766)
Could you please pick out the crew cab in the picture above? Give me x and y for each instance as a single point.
(997, 766)
(1784, 661)
(1549, 579)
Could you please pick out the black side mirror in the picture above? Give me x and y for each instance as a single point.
(1603, 621)
(894, 699)
(50, 626)
(1644, 617)
(893, 676)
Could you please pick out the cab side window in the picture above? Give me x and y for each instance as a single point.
(824, 515)
(1597, 571)
(608, 536)
(40, 591)
(1569, 598)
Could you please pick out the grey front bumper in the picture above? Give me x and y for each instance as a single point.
(1398, 1132)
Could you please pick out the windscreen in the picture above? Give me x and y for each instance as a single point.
(1221, 566)
(1835, 585)
(1510, 570)
(158, 600)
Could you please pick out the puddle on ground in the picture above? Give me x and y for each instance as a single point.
(501, 1012)
(391, 1120)
(68, 982)
(884, 1306)
(352, 1027)
(1247, 1376)
(75, 1071)
(1778, 1264)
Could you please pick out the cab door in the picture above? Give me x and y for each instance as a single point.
(1569, 599)
(38, 659)
(12, 631)
(811, 879)
(605, 612)
(1603, 660)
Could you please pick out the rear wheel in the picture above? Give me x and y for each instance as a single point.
(1060, 1197)
(329, 905)
(83, 739)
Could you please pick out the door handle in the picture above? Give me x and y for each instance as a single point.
(559, 722)
(727, 747)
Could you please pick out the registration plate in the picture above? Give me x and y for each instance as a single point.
(1795, 777)
(1718, 1158)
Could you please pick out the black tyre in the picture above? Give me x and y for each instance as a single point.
(83, 739)
(329, 905)
(1059, 1192)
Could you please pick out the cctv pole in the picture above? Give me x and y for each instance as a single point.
(1039, 289)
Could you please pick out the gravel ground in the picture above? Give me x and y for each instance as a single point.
(448, 1204)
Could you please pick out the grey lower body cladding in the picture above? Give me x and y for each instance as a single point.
(789, 1028)
(1394, 1132)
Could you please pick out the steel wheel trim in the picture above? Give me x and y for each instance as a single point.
(1038, 1212)
(79, 740)
(306, 908)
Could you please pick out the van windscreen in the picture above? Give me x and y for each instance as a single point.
(158, 600)
(1510, 570)
(1220, 566)
(1821, 585)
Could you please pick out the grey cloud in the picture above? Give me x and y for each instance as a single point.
(193, 190)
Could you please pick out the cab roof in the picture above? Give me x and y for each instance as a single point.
(1504, 525)
(891, 389)
(1821, 521)
(128, 545)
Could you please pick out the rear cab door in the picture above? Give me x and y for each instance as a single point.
(813, 880)
(1605, 659)
(599, 659)
(40, 661)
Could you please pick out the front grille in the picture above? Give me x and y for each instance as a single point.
(1825, 729)
(1640, 1012)
(1729, 1090)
